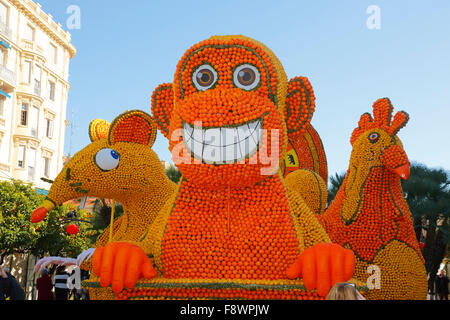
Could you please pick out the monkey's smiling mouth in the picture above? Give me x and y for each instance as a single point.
(223, 145)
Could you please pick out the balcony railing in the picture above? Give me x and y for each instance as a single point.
(5, 30)
(8, 76)
(32, 46)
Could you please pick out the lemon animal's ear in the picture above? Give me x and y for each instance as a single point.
(162, 106)
(300, 104)
(133, 126)
(98, 129)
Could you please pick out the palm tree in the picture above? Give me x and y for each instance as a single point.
(335, 183)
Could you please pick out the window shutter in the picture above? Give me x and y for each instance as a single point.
(50, 129)
(3, 13)
(34, 121)
(26, 71)
(21, 157)
(31, 155)
(37, 73)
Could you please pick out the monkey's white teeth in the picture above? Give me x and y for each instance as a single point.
(223, 145)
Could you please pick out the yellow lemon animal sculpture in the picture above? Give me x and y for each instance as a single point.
(119, 164)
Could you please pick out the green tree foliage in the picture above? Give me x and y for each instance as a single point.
(335, 183)
(49, 237)
(427, 193)
(173, 174)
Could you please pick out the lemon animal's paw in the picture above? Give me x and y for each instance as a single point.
(121, 264)
(322, 266)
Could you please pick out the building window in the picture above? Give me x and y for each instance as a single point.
(47, 167)
(31, 161)
(3, 14)
(54, 53)
(27, 71)
(37, 80)
(29, 33)
(21, 157)
(51, 90)
(49, 128)
(24, 114)
(2, 106)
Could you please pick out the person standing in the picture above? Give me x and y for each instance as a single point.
(84, 292)
(15, 291)
(442, 285)
(4, 284)
(44, 286)
(60, 283)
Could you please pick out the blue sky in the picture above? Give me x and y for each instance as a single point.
(126, 48)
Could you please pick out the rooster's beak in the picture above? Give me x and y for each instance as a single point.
(402, 171)
(396, 161)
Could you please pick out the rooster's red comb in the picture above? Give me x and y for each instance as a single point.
(382, 118)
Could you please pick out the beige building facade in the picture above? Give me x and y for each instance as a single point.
(35, 53)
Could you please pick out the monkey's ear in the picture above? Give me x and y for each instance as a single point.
(98, 129)
(162, 106)
(300, 104)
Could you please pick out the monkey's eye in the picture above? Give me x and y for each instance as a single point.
(246, 76)
(204, 77)
(107, 159)
(374, 136)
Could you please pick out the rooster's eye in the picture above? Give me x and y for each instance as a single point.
(374, 136)
(107, 159)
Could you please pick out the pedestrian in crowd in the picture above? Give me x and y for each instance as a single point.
(73, 291)
(442, 285)
(44, 286)
(84, 294)
(60, 283)
(4, 284)
(344, 291)
(16, 291)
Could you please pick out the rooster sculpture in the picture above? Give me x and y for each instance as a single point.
(370, 215)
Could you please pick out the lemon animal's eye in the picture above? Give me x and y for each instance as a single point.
(246, 76)
(374, 136)
(204, 77)
(107, 159)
